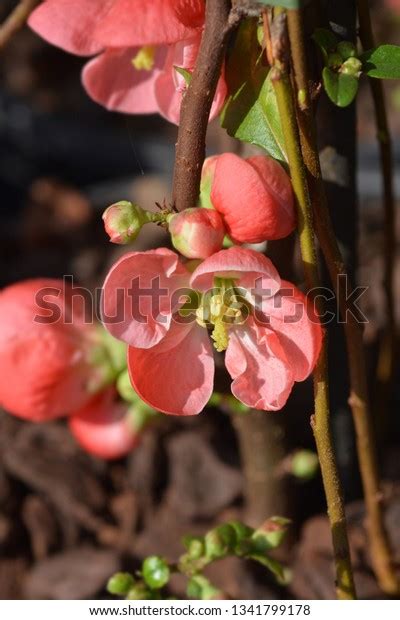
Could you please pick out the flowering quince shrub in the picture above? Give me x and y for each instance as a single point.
(266, 326)
(139, 48)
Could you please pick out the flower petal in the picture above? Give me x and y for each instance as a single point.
(251, 269)
(171, 86)
(176, 376)
(86, 27)
(292, 317)
(262, 377)
(254, 196)
(70, 24)
(149, 22)
(138, 295)
(112, 81)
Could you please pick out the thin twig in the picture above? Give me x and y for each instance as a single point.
(196, 104)
(387, 354)
(380, 551)
(16, 20)
(321, 420)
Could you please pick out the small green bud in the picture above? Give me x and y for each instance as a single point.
(139, 592)
(219, 542)
(305, 464)
(123, 221)
(195, 549)
(334, 60)
(120, 583)
(200, 588)
(155, 571)
(346, 49)
(352, 66)
(271, 534)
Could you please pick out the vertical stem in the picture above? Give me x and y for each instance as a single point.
(388, 346)
(321, 419)
(261, 447)
(380, 551)
(196, 104)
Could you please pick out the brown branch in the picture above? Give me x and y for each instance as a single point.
(196, 104)
(16, 20)
(358, 400)
(387, 354)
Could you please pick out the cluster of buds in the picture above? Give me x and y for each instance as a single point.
(248, 200)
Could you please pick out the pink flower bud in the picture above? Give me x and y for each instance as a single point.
(45, 346)
(103, 427)
(197, 233)
(254, 197)
(123, 221)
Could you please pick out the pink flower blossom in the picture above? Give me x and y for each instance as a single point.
(267, 327)
(44, 367)
(137, 43)
(103, 427)
(254, 196)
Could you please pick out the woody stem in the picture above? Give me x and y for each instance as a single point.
(355, 350)
(320, 421)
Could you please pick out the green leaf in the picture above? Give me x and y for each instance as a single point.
(155, 572)
(326, 40)
(271, 564)
(286, 4)
(382, 62)
(201, 589)
(187, 76)
(341, 88)
(251, 112)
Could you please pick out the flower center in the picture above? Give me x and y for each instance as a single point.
(221, 308)
(144, 59)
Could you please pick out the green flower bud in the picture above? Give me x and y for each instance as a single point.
(346, 49)
(305, 464)
(123, 221)
(120, 583)
(155, 571)
(352, 66)
(271, 534)
(140, 592)
(219, 542)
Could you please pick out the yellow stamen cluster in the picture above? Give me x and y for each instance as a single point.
(144, 59)
(220, 310)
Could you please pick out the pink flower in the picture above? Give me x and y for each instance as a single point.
(44, 367)
(268, 329)
(197, 233)
(103, 427)
(254, 197)
(138, 45)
